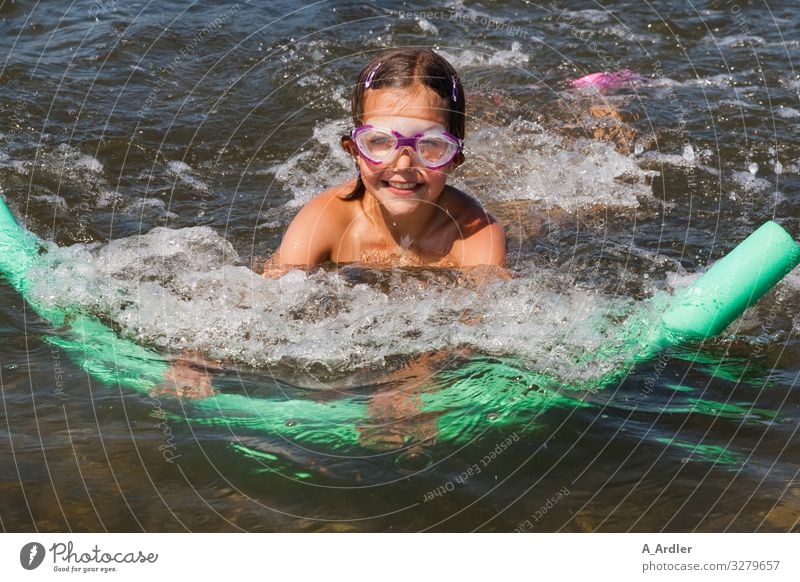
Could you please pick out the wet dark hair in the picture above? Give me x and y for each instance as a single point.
(404, 68)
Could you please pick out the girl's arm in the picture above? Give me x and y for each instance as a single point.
(484, 248)
(314, 232)
(307, 240)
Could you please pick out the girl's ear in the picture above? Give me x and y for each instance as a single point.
(349, 146)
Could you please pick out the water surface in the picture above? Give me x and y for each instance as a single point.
(166, 146)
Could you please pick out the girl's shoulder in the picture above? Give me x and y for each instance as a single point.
(317, 228)
(481, 239)
(464, 209)
(336, 195)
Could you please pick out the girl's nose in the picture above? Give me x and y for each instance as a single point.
(404, 159)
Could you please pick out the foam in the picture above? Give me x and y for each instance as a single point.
(588, 15)
(466, 58)
(65, 161)
(185, 174)
(310, 81)
(787, 112)
(72, 166)
(182, 290)
(57, 202)
(793, 84)
(689, 159)
(74, 160)
(321, 164)
(750, 183)
(427, 26)
(542, 166)
(738, 40)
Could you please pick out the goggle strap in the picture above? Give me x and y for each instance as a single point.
(371, 75)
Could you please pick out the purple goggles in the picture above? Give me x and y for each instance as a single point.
(435, 149)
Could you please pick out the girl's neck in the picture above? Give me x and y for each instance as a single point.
(403, 230)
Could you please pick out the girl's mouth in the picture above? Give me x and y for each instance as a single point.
(401, 188)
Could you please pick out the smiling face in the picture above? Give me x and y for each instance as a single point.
(402, 185)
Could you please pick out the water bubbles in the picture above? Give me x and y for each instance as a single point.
(551, 169)
(492, 416)
(184, 290)
(638, 149)
(688, 153)
(778, 168)
(753, 168)
(290, 423)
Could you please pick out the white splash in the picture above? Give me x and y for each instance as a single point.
(538, 165)
(181, 290)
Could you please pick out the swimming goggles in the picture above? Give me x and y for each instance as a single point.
(435, 149)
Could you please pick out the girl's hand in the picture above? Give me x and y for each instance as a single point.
(270, 269)
(187, 378)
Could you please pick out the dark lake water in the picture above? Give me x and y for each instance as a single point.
(404, 400)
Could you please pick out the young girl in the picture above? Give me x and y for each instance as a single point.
(408, 116)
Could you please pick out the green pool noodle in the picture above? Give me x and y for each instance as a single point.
(87, 340)
(464, 399)
(734, 283)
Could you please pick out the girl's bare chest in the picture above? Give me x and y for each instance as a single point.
(363, 243)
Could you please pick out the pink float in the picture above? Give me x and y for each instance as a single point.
(605, 80)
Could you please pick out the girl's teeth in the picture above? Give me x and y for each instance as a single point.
(403, 185)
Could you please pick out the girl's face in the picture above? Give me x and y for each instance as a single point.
(403, 185)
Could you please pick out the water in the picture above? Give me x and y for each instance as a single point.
(165, 147)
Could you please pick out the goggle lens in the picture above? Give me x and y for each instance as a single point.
(435, 149)
(378, 145)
